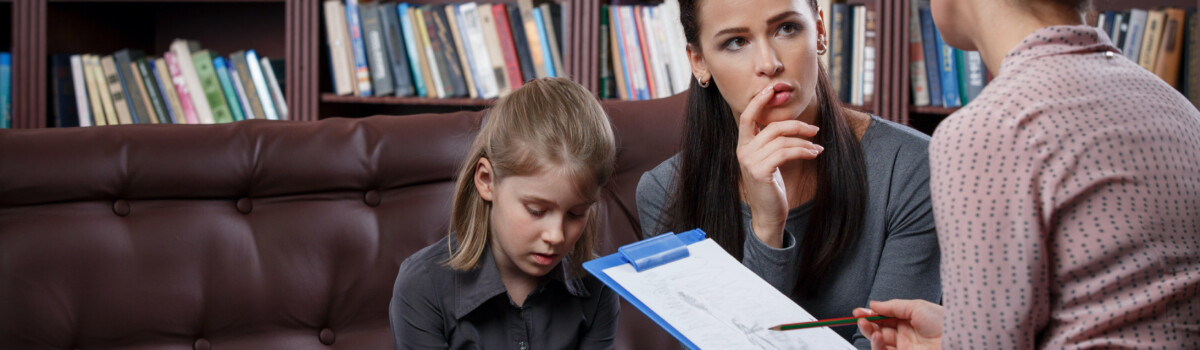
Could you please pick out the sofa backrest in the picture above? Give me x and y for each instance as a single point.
(255, 234)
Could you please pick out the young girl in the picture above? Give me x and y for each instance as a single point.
(831, 218)
(1067, 195)
(509, 275)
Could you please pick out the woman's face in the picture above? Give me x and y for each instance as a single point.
(747, 45)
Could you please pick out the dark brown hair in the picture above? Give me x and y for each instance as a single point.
(707, 194)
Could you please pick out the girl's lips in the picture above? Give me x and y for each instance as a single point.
(543, 259)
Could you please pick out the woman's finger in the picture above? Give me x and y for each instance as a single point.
(746, 130)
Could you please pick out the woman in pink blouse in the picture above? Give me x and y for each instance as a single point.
(1067, 195)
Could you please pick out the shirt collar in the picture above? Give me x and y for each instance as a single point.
(1058, 40)
(477, 286)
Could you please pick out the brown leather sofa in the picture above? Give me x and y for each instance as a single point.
(252, 235)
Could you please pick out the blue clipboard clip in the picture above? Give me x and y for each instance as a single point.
(652, 252)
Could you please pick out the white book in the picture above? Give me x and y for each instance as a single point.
(183, 52)
(281, 109)
(81, 95)
(495, 51)
(240, 90)
(260, 85)
(658, 50)
(336, 37)
(681, 69)
(856, 75)
(481, 62)
(1133, 39)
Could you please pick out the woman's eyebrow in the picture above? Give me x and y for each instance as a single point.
(742, 30)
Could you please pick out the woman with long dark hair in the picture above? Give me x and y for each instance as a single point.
(829, 205)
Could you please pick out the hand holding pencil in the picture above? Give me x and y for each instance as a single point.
(915, 324)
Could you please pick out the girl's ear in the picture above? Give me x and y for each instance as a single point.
(484, 179)
(699, 68)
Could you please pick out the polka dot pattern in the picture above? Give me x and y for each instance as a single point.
(1067, 199)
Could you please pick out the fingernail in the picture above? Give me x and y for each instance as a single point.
(767, 90)
(818, 147)
(813, 128)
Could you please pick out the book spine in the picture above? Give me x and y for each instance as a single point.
(869, 45)
(260, 85)
(94, 94)
(552, 32)
(133, 97)
(394, 41)
(621, 63)
(105, 96)
(157, 102)
(537, 57)
(633, 55)
(410, 43)
(976, 75)
(63, 105)
(362, 74)
(240, 89)
(211, 87)
(648, 67)
(1170, 53)
(280, 104)
(838, 48)
(544, 41)
(181, 87)
(950, 95)
(167, 89)
(448, 57)
(1137, 25)
(856, 66)
(183, 50)
(5, 90)
(1151, 40)
(377, 58)
(336, 38)
(81, 94)
(930, 46)
(657, 55)
(487, 25)
(227, 88)
(1192, 57)
(917, 75)
(435, 69)
(458, 39)
(116, 93)
(139, 85)
(607, 90)
(472, 30)
(243, 68)
(521, 43)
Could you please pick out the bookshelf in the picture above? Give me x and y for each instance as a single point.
(926, 119)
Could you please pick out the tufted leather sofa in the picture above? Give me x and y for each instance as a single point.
(252, 235)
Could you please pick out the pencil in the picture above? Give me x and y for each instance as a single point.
(833, 322)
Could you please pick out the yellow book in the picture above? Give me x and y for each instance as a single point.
(438, 90)
(452, 17)
(99, 117)
(531, 34)
(1171, 54)
(164, 77)
(1152, 40)
(137, 75)
(113, 80)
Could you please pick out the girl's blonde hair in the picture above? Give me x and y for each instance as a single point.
(547, 124)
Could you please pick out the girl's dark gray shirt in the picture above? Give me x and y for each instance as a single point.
(895, 257)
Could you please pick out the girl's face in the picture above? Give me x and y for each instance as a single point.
(535, 220)
(747, 45)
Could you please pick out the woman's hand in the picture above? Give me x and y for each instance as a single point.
(917, 325)
(760, 153)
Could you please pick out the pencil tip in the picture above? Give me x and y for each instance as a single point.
(776, 328)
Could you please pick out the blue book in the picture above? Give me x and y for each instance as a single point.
(704, 297)
(929, 36)
(616, 20)
(362, 73)
(950, 96)
(227, 87)
(410, 44)
(547, 56)
(468, 51)
(5, 90)
(162, 90)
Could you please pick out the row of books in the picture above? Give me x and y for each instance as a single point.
(940, 74)
(1162, 40)
(853, 46)
(642, 52)
(187, 85)
(5, 90)
(476, 50)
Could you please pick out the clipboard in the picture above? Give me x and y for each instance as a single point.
(711, 295)
(644, 255)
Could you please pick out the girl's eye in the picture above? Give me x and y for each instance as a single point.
(734, 44)
(577, 215)
(535, 212)
(789, 29)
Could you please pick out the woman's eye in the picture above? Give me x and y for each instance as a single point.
(789, 29)
(734, 44)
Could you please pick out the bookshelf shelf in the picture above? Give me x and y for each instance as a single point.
(412, 101)
(940, 111)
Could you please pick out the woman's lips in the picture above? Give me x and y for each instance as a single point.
(783, 93)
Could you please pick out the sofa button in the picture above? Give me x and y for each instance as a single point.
(244, 206)
(371, 198)
(327, 336)
(121, 207)
(202, 344)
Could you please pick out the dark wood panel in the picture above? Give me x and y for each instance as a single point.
(219, 26)
(1104, 5)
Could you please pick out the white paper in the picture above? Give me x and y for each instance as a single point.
(717, 303)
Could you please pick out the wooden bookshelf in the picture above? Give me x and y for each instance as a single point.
(927, 118)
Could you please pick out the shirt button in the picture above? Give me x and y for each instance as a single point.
(523, 345)
(1109, 55)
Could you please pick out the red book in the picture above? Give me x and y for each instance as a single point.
(511, 62)
(644, 41)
